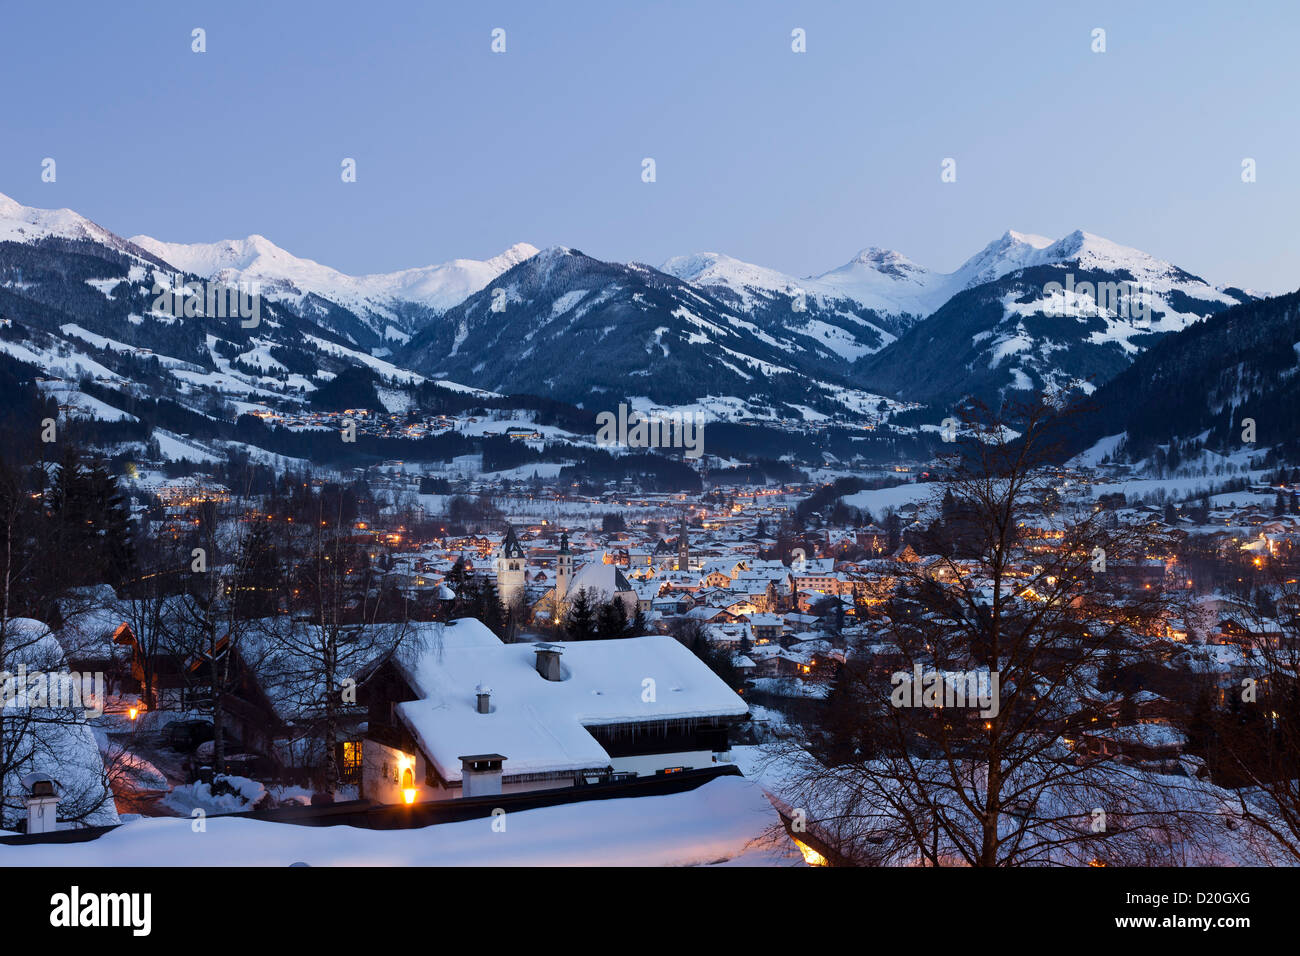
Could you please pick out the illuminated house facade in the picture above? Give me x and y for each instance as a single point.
(472, 716)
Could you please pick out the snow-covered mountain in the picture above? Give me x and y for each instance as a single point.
(80, 310)
(844, 328)
(877, 280)
(27, 224)
(991, 326)
(885, 281)
(289, 278)
(1028, 328)
(1193, 390)
(567, 325)
(562, 325)
(890, 284)
(714, 270)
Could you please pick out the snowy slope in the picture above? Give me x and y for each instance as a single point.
(19, 223)
(744, 278)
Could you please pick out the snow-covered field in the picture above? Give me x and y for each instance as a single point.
(725, 821)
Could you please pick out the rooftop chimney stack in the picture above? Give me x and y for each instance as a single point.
(484, 694)
(481, 775)
(548, 661)
(42, 803)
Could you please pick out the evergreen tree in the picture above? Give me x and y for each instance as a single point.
(490, 610)
(893, 526)
(611, 619)
(580, 624)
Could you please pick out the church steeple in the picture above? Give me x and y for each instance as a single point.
(683, 546)
(511, 547)
(511, 569)
(563, 567)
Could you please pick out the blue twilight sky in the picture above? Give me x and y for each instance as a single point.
(794, 161)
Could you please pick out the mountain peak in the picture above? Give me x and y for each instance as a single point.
(694, 266)
(876, 256)
(1029, 238)
(504, 261)
(19, 223)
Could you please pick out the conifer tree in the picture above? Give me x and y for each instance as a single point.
(580, 624)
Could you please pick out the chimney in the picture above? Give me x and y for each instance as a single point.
(484, 694)
(548, 661)
(480, 775)
(42, 803)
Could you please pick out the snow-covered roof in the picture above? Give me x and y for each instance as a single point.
(540, 725)
(601, 580)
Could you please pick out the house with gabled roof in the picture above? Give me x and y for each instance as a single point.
(470, 715)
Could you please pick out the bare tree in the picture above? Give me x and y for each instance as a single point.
(145, 600)
(43, 726)
(207, 628)
(965, 745)
(349, 619)
(1253, 743)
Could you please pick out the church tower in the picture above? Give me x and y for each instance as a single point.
(683, 547)
(510, 569)
(563, 567)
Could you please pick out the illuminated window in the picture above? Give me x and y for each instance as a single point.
(351, 769)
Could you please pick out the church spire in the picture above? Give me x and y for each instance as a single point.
(683, 546)
(510, 547)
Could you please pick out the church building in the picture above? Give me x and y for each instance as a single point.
(511, 569)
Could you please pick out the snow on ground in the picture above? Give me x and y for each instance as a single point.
(71, 365)
(278, 462)
(188, 797)
(226, 382)
(465, 389)
(99, 341)
(878, 500)
(791, 687)
(81, 405)
(1093, 456)
(1175, 489)
(836, 339)
(542, 469)
(387, 369)
(1133, 489)
(176, 448)
(395, 400)
(727, 820)
(497, 423)
(285, 794)
(260, 357)
(1244, 499)
(130, 769)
